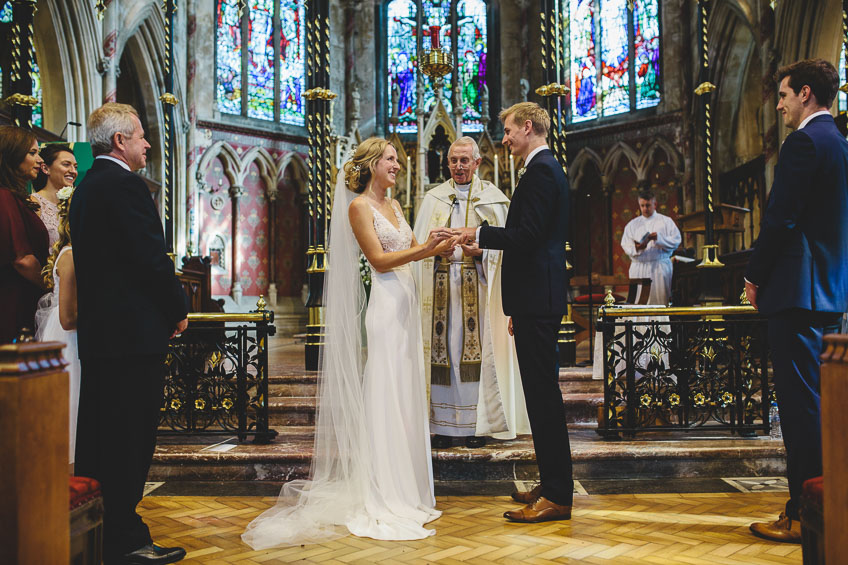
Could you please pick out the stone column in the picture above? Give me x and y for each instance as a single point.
(108, 66)
(236, 192)
(272, 248)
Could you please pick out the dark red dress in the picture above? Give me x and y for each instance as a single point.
(21, 233)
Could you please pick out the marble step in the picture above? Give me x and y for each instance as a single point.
(572, 380)
(650, 456)
(300, 410)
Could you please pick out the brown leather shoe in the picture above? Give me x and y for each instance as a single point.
(528, 496)
(541, 510)
(785, 529)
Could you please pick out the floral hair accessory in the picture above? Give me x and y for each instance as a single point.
(65, 193)
(356, 167)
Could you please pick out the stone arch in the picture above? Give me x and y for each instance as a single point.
(647, 158)
(229, 157)
(263, 160)
(67, 36)
(577, 168)
(298, 164)
(616, 153)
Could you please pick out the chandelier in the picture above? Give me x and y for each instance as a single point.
(437, 62)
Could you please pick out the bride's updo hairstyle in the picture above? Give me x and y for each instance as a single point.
(359, 170)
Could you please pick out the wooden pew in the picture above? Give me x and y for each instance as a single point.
(34, 447)
(834, 394)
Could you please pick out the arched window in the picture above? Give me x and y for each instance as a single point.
(615, 57)
(5, 66)
(842, 97)
(272, 34)
(470, 56)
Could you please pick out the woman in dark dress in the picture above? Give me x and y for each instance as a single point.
(23, 237)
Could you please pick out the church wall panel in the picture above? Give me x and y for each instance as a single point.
(216, 213)
(253, 234)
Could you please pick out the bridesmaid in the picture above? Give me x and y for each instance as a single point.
(23, 237)
(58, 171)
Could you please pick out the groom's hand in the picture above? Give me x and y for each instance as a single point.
(509, 326)
(466, 235)
(471, 249)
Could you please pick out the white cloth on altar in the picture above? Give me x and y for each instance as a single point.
(494, 406)
(653, 262)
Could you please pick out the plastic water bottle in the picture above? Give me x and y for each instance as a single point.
(774, 422)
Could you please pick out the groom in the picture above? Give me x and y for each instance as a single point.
(533, 284)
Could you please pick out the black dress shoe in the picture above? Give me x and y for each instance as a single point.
(475, 441)
(152, 554)
(441, 442)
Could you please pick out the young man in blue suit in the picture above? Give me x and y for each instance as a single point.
(533, 285)
(798, 271)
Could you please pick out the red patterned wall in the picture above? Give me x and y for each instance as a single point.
(253, 235)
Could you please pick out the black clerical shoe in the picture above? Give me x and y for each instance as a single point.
(475, 441)
(441, 442)
(152, 554)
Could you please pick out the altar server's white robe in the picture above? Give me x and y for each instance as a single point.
(653, 262)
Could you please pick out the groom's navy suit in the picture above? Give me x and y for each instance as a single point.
(129, 302)
(534, 284)
(800, 265)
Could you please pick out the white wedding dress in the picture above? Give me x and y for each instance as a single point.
(48, 328)
(372, 470)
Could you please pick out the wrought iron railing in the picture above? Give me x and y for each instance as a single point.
(684, 369)
(217, 380)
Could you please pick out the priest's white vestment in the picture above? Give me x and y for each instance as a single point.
(653, 262)
(500, 410)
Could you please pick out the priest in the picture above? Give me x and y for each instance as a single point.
(472, 370)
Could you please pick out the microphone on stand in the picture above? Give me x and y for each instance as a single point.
(75, 124)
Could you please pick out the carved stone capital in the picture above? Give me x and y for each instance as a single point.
(236, 192)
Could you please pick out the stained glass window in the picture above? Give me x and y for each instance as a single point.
(614, 58)
(468, 43)
(843, 98)
(272, 34)
(6, 13)
(292, 57)
(647, 52)
(437, 14)
(37, 112)
(472, 39)
(603, 36)
(229, 58)
(403, 61)
(260, 60)
(584, 70)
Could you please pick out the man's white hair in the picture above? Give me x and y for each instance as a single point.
(465, 140)
(106, 121)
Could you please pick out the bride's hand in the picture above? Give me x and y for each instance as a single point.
(446, 247)
(436, 237)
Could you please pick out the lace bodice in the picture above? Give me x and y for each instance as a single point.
(49, 214)
(392, 238)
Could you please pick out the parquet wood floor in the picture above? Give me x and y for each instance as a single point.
(688, 529)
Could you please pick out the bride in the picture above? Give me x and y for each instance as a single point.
(371, 472)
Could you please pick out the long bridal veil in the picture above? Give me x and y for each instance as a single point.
(317, 509)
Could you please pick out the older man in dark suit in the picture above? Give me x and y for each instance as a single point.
(798, 271)
(534, 284)
(129, 304)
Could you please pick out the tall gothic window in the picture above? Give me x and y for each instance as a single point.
(260, 70)
(842, 97)
(469, 45)
(5, 66)
(615, 57)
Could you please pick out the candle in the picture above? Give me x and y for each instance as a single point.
(408, 178)
(511, 173)
(497, 183)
